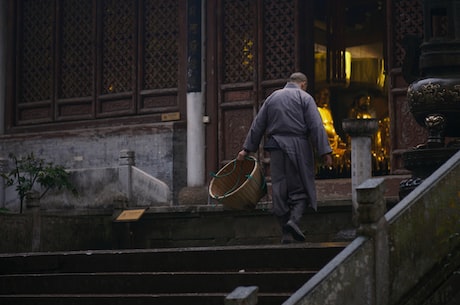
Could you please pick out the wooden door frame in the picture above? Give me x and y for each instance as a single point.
(304, 44)
(211, 128)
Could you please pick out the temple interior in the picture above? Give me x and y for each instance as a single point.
(350, 78)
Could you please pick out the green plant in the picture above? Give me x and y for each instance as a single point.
(3, 210)
(29, 171)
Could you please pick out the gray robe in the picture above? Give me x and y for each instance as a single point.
(292, 122)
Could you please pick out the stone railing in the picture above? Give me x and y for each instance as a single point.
(389, 261)
(394, 251)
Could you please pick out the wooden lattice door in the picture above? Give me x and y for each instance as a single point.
(259, 43)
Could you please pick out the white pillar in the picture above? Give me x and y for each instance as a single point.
(195, 125)
(195, 139)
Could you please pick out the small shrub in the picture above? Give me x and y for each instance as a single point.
(29, 171)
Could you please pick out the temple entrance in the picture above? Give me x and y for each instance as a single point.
(349, 77)
(258, 44)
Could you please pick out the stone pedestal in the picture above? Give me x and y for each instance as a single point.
(360, 131)
(372, 223)
(126, 161)
(32, 201)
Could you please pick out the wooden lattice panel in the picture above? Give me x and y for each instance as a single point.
(407, 20)
(118, 43)
(85, 59)
(36, 66)
(239, 40)
(77, 60)
(279, 38)
(161, 54)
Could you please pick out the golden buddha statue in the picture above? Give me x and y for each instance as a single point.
(362, 108)
(337, 145)
(322, 102)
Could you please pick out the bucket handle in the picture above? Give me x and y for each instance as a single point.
(224, 175)
(263, 185)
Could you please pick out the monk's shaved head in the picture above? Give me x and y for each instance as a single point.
(297, 77)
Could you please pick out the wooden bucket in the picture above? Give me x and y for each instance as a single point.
(239, 185)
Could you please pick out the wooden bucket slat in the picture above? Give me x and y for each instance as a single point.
(232, 187)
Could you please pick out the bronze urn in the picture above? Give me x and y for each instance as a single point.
(434, 98)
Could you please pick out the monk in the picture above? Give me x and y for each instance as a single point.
(290, 119)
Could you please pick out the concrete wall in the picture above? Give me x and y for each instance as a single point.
(159, 152)
(160, 227)
(106, 189)
(58, 232)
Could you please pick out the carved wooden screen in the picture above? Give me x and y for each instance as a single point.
(75, 96)
(258, 49)
(35, 90)
(238, 37)
(118, 58)
(85, 59)
(279, 39)
(160, 56)
(406, 18)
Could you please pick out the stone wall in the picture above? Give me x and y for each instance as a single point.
(401, 257)
(57, 232)
(159, 150)
(162, 227)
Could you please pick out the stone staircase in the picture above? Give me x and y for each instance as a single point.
(198, 275)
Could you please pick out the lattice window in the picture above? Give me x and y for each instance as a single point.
(118, 46)
(77, 60)
(279, 38)
(36, 66)
(239, 39)
(161, 44)
(407, 19)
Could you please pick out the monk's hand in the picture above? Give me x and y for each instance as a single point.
(327, 160)
(242, 155)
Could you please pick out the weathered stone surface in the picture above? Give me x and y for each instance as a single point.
(159, 150)
(242, 296)
(193, 195)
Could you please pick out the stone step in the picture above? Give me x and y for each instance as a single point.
(305, 256)
(188, 276)
(151, 282)
(134, 299)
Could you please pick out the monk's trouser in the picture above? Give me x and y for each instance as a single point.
(288, 193)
